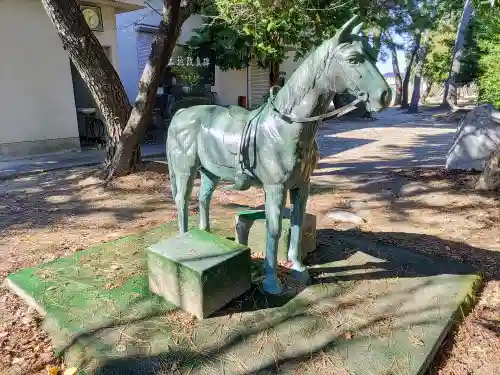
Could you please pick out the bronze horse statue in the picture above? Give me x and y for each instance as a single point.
(273, 146)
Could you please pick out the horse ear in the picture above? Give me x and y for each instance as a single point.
(357, 29)
(344, 33)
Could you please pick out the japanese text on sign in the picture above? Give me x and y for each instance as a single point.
(188, 61)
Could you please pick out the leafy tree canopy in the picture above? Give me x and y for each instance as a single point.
(441, 44)
(486, 36)
(238, 30)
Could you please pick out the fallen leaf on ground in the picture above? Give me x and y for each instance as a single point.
(71, 371)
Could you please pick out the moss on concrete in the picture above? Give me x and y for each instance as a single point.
(199, 271)
(373, 309)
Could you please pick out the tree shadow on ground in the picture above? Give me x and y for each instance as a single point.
(385, 245)
(425, 151)
(406, 183)
(258, 317)
(42, 200)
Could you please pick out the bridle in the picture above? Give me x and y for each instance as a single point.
(250, 130)
(336, 113)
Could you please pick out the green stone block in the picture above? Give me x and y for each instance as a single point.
(252, 224)
(198, 271)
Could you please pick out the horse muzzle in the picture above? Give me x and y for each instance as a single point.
(379, 101)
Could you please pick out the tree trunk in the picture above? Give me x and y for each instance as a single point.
(409, 64)
(377, 42)
(395, 68)
(274, 74)
(419, 68)
(450, 89)
(162, 47)
(427, 92)
(96, 70)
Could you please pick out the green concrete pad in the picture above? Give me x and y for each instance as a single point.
(375, 309)
(199, 271)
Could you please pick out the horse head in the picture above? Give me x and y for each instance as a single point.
(352, 68)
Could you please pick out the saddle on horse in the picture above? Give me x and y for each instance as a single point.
(242, 145)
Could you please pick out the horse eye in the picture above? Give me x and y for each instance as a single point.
(353, 60)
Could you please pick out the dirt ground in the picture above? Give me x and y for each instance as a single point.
(54, 214)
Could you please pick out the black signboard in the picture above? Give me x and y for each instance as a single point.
(190, 68)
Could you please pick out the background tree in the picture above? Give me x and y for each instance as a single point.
(96, 70)
(450, 88)
(245, 30)
(239, 31)
(393, 48)
(486, 35)
(409, 21)
(412, 19)
(419, 68)
(175, 12)
(438, 60)
(125, 124)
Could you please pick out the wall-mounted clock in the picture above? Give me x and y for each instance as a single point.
(93, 16)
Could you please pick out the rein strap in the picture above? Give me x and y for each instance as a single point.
(338, 112)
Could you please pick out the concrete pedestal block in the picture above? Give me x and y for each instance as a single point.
(251, 231)
(198, 271)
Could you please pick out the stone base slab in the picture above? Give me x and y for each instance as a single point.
(198, 271)
(374, 309)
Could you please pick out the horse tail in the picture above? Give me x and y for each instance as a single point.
(171, 174)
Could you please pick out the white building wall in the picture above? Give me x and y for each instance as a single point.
(129, 46)
(229, 85)
(108, 37)
(36, 94)
(289, 65)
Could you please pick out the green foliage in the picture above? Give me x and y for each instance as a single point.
(188, 75)
(231, 47)
(438, 60)
(469, 66)
(241, 30)
(272, 25)
(486, 33)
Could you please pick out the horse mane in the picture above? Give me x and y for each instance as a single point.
(305, 78)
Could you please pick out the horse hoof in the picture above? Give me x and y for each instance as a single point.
(301, 276)
(272, 285)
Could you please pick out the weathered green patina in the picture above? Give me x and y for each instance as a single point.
(376, 309)
(251, 228)
(272, 146)
(199, 271)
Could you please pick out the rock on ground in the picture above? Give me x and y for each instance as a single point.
(477, 137)
(345, 217)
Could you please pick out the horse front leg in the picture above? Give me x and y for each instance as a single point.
(298, 199)
(275, 202)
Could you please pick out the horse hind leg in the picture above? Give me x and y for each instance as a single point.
(182, 186)
(208, 184)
